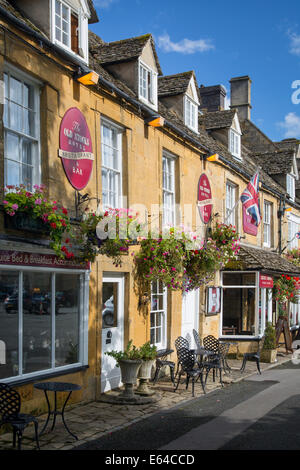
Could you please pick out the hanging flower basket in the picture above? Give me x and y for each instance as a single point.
(33, 211)
(286, 289)
(107, 234)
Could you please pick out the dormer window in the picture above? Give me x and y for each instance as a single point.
(70, 28)
(235, 143)
(290, 186)
(190, 114)
(147, 85)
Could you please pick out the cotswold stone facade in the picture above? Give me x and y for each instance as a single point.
(97, 309)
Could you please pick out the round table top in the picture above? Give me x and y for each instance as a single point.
(57, 386)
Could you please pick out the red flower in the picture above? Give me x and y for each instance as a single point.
(53, 225)
(64, 211)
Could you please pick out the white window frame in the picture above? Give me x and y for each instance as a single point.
(235, 144)
(118, 171)
(168, 174)
(83, 321)
(290, 185)
(230, 203)
(267, 224)
(82, 33)
(147, 93)
(293, 228)
(191, 113)
(163, 313)
(14, 72)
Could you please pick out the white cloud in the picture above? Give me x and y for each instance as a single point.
(295, 43)
(185, 46)
(291, 125)
(104, 3)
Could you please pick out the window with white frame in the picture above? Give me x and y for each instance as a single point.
(111, 149)
(147, 85)
(43, 324)
(290, 186)
(267, 223)
(168, 184)
(158, 315)
(235, 143)
(190, 114)
(70, 28)
(293, 228)
(231, 198)
(21, 130)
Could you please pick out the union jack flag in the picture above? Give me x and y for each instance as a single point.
(250, 199)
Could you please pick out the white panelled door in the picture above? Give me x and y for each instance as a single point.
(112, 329)
(190, 314)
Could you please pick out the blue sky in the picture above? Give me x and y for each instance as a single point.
(220, 40)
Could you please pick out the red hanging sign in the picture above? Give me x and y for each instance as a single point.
(204, 199)
(265, 282)
(75, 148)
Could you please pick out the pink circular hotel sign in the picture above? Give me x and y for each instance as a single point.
(75, 148)
(204, 198)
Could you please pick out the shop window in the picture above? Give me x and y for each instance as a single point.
(168, 190)
(158, 315)
(21, 130)
(111, 146)
(40, 317)
(239, 292)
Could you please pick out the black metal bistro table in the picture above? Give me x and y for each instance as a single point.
(57, 387)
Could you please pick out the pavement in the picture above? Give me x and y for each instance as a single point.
(97, 421)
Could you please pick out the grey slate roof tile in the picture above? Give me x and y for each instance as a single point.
(177, 84)
(275, 163)
(123, 50)
(268, 261)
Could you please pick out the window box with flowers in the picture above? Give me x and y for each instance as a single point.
(33, 211)
(106, 234)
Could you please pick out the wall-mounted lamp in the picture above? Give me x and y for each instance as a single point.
(155, 121)
(213, 158)
(86, 78)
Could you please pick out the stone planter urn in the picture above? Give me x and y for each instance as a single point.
(268, 355)
(129, 371)
(144, 376)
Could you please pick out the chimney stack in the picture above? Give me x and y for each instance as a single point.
(212, 97)
(240, 96)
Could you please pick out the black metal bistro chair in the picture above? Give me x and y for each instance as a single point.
(211, 343)
(180, 342)
(197, 339)
(254, 355)
(161, 361)
(188, 362)
(10, 405)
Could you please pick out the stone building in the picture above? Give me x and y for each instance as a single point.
(43, 58)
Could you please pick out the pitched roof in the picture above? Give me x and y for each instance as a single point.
(13, 10)
(275, 163)
(176, 84)
(288, 144)
(217, 119)
(124, 50)
(263, 260)
(94, 17)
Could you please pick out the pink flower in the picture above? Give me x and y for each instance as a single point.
(15, 207)
(5, 202)
(38, 202)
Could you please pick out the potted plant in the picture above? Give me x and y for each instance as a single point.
(269, 350)
(129, 362)
(148, 354)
